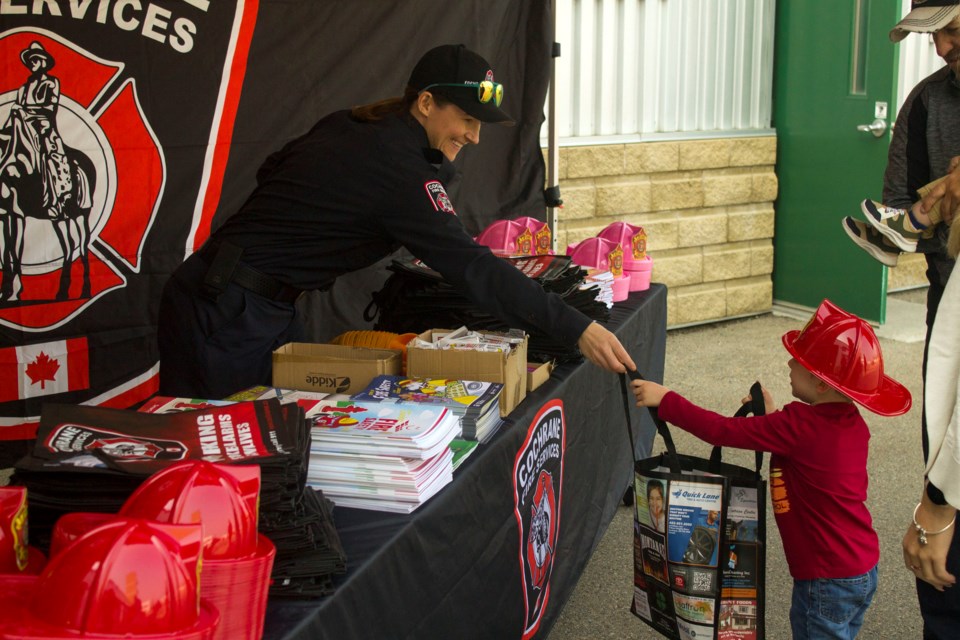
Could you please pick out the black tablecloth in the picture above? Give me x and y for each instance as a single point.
(453, 568)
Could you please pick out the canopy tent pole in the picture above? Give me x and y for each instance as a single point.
(552, 193)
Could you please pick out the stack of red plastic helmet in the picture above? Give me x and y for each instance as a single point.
(16, 555)
(127, 578)
(237, 561)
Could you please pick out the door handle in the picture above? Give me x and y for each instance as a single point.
(877, 127)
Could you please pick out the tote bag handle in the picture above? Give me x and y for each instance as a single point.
(754, 406)
(672, 459)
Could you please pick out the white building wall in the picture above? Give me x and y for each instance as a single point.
(633, 70)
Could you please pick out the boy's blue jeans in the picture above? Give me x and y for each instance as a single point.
(831, 608)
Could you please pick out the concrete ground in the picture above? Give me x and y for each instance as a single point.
(714, 366)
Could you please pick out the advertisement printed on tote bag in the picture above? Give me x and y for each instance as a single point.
(699, 542)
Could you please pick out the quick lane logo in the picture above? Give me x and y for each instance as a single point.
(537, 483)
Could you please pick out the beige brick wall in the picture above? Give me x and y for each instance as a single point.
(909, 273)
(707, 208)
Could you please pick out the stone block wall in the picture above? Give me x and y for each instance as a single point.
(707, 208)
(910, 272)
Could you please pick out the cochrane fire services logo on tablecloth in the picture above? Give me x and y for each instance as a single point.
(537, 481)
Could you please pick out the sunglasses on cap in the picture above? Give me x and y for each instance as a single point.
(487, 90)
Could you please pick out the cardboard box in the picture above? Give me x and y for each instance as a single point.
(331, 368)
(537, 374)
(509, 369)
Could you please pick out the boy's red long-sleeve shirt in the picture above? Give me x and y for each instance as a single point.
(818, 478)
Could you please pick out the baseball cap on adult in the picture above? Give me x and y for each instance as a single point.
(926, 16)
(457, 73)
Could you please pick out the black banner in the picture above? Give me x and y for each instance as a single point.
(131, 128)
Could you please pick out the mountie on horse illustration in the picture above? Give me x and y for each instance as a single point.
(42, 178)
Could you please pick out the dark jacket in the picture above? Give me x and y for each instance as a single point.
(348, 193)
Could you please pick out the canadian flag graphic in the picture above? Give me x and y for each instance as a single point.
(43, 369)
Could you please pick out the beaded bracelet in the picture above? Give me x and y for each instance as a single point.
(923, 533)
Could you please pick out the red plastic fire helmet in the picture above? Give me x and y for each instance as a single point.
(128, 578)
(843, 351)
(224, 498)
(13, 529)
(74, 525)
(16, 555)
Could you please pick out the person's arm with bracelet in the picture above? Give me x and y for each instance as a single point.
(928, 539)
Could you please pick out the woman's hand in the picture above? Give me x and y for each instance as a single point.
(603, 349)
(929, 561)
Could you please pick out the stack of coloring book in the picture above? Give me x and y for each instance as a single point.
(380, 456)
(475, 403)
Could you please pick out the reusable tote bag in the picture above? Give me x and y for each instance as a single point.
(699, 541)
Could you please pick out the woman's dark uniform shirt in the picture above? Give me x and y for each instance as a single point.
(348, 193)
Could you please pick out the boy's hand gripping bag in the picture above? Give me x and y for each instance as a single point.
(700, 541)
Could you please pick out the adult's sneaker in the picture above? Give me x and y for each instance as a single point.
(872, 241)
(893, 223)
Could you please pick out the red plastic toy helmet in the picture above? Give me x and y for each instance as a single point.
(129, 578)
(74, 525)
(13, 529)
(16, 556)
(843, 351)
(223, 498)
(238, 588)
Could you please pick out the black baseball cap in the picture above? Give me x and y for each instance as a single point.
(454, 64)
(926, 16)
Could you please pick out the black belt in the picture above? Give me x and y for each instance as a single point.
(226, 268)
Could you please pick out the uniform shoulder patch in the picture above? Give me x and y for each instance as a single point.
(438, 197)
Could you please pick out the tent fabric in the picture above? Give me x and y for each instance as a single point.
(166, 110)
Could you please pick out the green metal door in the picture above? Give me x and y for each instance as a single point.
(835, 71)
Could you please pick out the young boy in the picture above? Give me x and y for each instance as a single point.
(818, 466)
(899, 229)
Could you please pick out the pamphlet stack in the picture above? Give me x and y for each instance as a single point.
(475, 403)
(381, 456)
